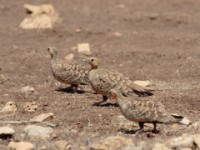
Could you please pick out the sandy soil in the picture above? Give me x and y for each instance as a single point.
(159, 42)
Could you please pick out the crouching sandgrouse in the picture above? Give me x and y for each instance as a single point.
(103, 80)
(64, 72)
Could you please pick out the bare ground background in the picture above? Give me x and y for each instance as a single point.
(159, 42)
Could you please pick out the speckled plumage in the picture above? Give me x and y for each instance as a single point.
(143, 111)
(67, 73)
(103, 80)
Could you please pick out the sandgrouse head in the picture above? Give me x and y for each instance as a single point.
(93, 61)
(52, 51)
(113, 94)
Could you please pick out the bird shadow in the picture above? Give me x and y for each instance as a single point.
(69, 90)
(99, 104)
(127, 131)
(148, 133)
(146, 94)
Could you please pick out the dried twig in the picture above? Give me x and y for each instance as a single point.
(27, 122)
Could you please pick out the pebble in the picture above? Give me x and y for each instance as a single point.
(6, 132)
(143, 83)
(38, 131)
(27, 89)
(117, 34)
(9, 107)
(30, 106)
(84, 48)
(78, 30)
(63, 145)
(20, 146)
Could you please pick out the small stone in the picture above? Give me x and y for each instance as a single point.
(153, 16)
(112, 143)
(121, 5)
(3, 78)
(121, 65)
(117, 34)
(69, 57)
(143, 83)
(78, 30)
(100, 115)
(84, 48)
(27, 89)
(30, 106)
(38, 131)
(9, 107)
(42, 117)
(20, 146)
(63, 145)
(74, 131)
(159, 146)
(185, 121)
(6, 132)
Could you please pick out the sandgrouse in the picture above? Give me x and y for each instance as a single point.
(67, 73)
(103, 80)
(143, 111)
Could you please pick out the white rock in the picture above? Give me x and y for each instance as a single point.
(27, 89)
(30, 106)
(6, 131)
(183, 141)
(63, 145)
(84, 48)
(159, 146)
(42, 117)
(121, 5)
(9, 107)
(113, 143)
(185, 121)
(38, 131)
(69, 57)
(143, 83)
(20, 146)
(117, 34)
(78, 30)
(42, 16)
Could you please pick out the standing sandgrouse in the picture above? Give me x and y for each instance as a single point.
(103, 80)
(67, 73)
(143, 111)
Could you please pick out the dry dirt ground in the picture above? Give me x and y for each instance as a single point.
(159, 42)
